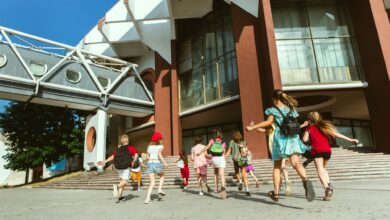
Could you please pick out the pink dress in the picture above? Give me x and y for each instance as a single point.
(200, 162)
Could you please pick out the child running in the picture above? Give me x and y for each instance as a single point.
(235, 148)
(286, 142)
(200, 164)
(249, 168)
(136, 172)
(217, 149)
(182, 163)
(155, 161)
(270, 133)
(319, 132)
(123, 158)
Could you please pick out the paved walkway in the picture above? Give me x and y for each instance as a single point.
(352, 200)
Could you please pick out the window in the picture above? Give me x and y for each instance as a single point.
(37, 68)
(315, 42)
(73, 76)
(105, 82)
(3, 60)
(207, 59)
(359, 129)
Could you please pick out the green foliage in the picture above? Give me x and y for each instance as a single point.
(40, 134)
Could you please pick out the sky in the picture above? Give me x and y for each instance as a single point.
(64, 21)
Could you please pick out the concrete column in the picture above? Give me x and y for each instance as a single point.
(95, 148)
(372, 29)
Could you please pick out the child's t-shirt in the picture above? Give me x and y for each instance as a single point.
(200, 160)
(153, 151)
(318, 140)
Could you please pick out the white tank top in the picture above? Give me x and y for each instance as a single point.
(153, 153)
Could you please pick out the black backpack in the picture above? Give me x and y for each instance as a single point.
(290, 126)
(123, 158)
(136, 163)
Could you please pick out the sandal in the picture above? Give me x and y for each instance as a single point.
(257, 185)
(273, 196)
(223, 194)
(328, 194)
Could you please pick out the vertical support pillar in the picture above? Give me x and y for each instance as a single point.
(245, 27)
(372, 29)
(95, 140)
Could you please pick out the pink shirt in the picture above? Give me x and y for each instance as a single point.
(200, 160)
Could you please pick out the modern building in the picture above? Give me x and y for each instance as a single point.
(214, 64)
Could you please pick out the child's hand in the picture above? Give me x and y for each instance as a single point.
(305, 124)
(100, 163)
(355, 141)
(251, 123)
(166, 165)
(249, 128)
(211, 141)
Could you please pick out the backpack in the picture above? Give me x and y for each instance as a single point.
(123, 158)
(290, 126)
(216, 149)
(136, 163)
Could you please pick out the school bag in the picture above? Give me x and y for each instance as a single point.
(238, 151)
(216, 149)
(136, 164)
(123, 158)
(290, 126)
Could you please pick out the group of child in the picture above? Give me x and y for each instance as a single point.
(285, 143)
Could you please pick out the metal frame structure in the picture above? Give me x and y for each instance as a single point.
(81, 57)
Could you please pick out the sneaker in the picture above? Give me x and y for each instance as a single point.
(161, 193)
(223, 194)
(248, 193)
(147, 201)
(115, 192)
(185, 188)
(240, 186)
(201, 193)
(309, 190)
(139, 190)
(257, 185)
(330, 187)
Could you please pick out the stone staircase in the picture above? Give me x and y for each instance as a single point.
(344, 165)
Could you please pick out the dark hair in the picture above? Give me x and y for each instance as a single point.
(287, 100)
(218, 133)
(198, 140)
(183, 156)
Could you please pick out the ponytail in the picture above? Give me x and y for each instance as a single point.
(325, 126)
(287, 100)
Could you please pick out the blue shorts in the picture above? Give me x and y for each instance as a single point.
(155, 168)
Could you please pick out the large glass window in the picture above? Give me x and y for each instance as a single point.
(207, 59)
(315, 42)
(358, 129)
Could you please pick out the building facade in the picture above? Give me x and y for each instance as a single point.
(221, 60)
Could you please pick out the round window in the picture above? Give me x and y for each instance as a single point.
(3, 60)
(73, 76)
(37, 68)
(91, 139)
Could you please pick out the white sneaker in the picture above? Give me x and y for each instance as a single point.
(185, 188)
(201, 193)
(115, 192)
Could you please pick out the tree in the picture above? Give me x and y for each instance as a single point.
(39, 134)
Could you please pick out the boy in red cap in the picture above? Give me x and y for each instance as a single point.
(155, 165)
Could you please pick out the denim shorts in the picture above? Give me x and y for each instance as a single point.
(155, 168)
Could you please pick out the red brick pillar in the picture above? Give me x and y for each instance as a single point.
(167, 103)
(372, 30)
(244, 29)
(258, 69)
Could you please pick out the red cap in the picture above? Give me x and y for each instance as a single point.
(156, 136)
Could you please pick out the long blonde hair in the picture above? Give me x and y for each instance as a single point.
(287, 100)
(325, 126)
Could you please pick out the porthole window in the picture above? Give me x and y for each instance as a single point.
(105, 82)
(37, 68)
(73, 76)
(3, 60)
